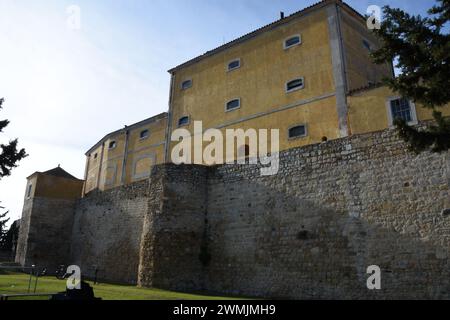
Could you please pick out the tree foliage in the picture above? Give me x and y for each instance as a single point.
(3, 231)
(9, 155)
(421, 47)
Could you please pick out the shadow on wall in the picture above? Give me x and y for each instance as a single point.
(273, 244)
(333, 210)
(309, 232)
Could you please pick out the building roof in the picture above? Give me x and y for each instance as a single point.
(56, 172)
(268, 27)
(130, 127)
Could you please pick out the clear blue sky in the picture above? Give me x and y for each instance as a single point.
(66, 89)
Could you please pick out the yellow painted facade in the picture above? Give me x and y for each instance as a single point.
(49, 185)
(340, 95)
(358, 43)
(265, 68)
(126, 155)
(368, 110)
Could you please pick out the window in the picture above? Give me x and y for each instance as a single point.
(295, 84)
(401, 108)
(233, 104)
(144, 134)
(183, 121)
(112, 145)
(235, 64)
(297, 131)
(95, 156)
(30, 187)
(367, 45)
(292, 41)
(186, 84)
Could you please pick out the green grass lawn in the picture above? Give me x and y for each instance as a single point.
(18, 283)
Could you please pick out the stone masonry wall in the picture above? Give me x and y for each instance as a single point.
(173, 239)
(45, 232)
(333, 209)
(309, 231)
(107, 232)
(23, 232)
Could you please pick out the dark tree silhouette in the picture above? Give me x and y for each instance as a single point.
(3, 231)
(421, 48)
(9, 239)
(9, 155)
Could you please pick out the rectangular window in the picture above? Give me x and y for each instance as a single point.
(295, 84)
(297, 131)
(235, 64)
(186, 84)
(401, 109)
(233, 104)
(30, 187)
(292, 41)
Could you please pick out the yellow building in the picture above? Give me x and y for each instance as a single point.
(126, 155)
(56, 183)
(310, 75)
(298, 74)
(293, 75)
(374, 108)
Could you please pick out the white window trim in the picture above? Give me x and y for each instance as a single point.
(298, 137)
(285, 47)
(295, 89)
(412, 105)
(186, 124)
(226, 104)
(190, 86)
(235, 68)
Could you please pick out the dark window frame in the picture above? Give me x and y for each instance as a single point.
(397, 107)
(286, 41)
(305, 134)
(144, 134)
(188, 82)
(183, 124)
(229, 68)
(234, 108)
(299, 87)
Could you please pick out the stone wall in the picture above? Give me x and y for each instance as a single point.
(308, 232)
(107, 231)
(173, 239)
(45, 232)
(22, 241)
(334, 209)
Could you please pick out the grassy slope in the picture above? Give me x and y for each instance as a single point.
(18, 283)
